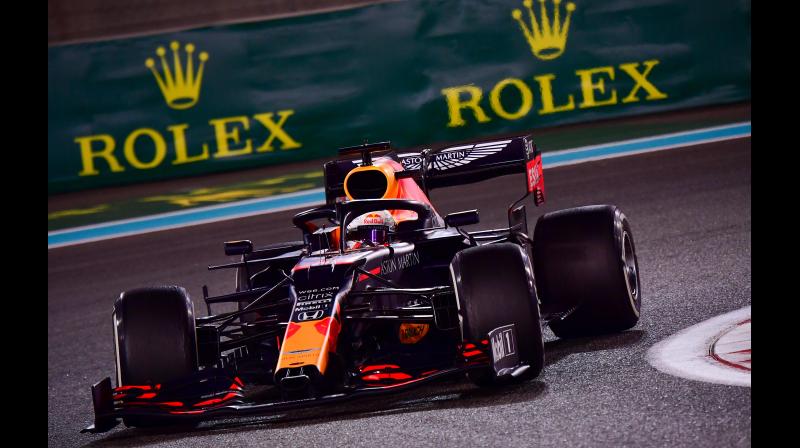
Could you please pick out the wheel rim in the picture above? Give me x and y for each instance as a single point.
(629, 268)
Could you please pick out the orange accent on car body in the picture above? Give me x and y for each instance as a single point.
(396, 188)
(322, 326)
(291, 329)
(386, 169)
(411, 333)
(336, 235)
(309, 344)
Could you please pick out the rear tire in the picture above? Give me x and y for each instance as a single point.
(493, 288)
(156, 340)
(585, 259)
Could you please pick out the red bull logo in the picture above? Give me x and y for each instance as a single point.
(374, 219)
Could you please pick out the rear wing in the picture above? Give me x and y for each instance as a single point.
(454, 165)
(476, 162)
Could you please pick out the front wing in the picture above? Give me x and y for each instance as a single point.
(215, 395)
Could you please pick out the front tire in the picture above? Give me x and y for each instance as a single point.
(585, 259)
(494, 288)
(156, 340)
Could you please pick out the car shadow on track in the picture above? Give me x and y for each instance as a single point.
(558, 349)
(456, 393)
(445, 394)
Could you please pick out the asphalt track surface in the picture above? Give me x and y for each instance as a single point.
(690, 213)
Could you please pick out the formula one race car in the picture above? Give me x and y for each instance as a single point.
(381, 294)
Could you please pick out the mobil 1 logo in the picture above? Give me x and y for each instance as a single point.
(503, 341)
(314, 304)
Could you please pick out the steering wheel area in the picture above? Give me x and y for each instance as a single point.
(342, 213)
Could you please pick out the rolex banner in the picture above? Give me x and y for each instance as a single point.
(413, 72)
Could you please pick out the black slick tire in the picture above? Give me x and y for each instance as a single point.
(494, 288)
(585, 261)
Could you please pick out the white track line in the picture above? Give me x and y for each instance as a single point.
(252, 207)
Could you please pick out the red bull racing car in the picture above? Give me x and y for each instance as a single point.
(382, 293)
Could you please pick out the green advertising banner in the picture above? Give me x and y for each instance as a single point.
(413, 72)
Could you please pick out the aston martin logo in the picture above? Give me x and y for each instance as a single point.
(455, 156)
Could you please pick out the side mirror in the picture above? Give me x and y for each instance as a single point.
(239, 247)
(459, 219)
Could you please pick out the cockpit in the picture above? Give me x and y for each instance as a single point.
(374, 226)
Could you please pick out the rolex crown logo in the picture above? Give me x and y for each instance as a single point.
(547, 38)
(180, 86)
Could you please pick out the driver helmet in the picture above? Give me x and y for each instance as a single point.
(371, 228)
